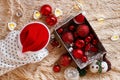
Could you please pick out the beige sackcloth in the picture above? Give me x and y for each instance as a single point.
(107, 10)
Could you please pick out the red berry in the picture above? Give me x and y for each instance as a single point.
(87, 47)
(88, 39)
(60, 30)
(84, 59)
(54, 43)
(94, 42)
(51, 20)
(79, 19)
(71, 28)
(79, 43)
(67, 37)
(46, 10)
(56, 68)
(77, 53)
(65, 60)
(93, 49)
(83, 30)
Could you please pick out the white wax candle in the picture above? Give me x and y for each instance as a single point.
(71, 73)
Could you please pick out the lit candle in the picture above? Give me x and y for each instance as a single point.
(11, 25)
(36, 14)
(58, 12)
(71, 73)
(101, 19)
(115, 37)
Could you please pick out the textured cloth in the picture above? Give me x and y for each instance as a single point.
(10, 56)
(95, 9)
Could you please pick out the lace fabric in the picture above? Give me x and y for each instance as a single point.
(11, 57)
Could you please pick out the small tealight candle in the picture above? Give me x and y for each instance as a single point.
(71, 73)
(58, 12)
(36, 14)
(11, 25)
(100, 19)
(115, 37)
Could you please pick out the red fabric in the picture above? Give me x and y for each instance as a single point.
(34, 37)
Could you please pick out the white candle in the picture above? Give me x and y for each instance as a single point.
(71, 73)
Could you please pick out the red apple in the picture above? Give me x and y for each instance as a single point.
(65, 60)
(51, 20)
(79, 19)
(77, 53)
(83, 30)
(46, 10)
(67, 37)
(56, 68)
(79, 43)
